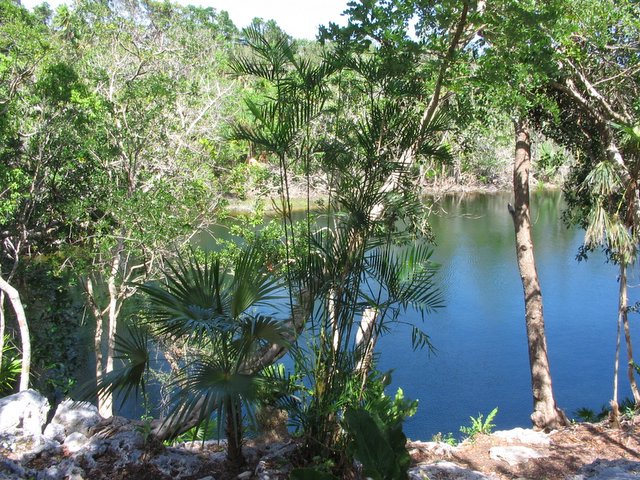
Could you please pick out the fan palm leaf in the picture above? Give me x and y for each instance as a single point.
(132, 350)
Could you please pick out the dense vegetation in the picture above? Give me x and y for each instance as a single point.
(128, 127)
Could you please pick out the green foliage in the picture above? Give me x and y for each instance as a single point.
(310, 474)
(627, 407)
(550, 160)
(131, 350)
(391, 411)
(447, 438)
(57, 334)
(9, 367)
(213, 312)
(480, 425)
(249, 179)
(378, 446)
(200, 433)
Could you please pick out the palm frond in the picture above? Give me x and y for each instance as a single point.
(406, 275)
(603, 179)
(205, 387)
(132, 350)
(252, 284)
(271, 55)
(265, 329)
(420, 339)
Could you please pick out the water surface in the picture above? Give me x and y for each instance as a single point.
(481, 360)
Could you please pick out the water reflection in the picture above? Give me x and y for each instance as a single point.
(480, 336)
(481, 359)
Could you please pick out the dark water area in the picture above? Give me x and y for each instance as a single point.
(481, 360)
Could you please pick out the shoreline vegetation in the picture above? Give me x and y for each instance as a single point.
(317, 199)
(129, 126)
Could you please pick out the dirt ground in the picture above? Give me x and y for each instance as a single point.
(569, 450)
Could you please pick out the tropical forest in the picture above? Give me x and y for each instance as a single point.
(226, 252)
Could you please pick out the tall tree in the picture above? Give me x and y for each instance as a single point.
(449, 34)
(596, 115)
(35, 161)
(350, 268)
(511, 39)
(546, 415)
(159, 95)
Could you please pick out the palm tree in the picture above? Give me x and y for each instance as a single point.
(352, 269)
(212, 311)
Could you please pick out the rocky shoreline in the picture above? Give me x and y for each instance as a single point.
(78, 444)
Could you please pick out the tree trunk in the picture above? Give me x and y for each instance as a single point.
(366, 342)
(105, 403)
(546, 415)
(614, 415)
(2, 325)
(623, 309)
(233, 427)
(92, 300)
(16, 303)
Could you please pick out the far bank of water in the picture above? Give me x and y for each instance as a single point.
(481, 360)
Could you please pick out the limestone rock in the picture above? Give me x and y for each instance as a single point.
(65, 470)
(54, 431)
(609, 470)
(523, 435)
(10, 470)
(447, 470)
(514, 455)
(71, 417)
(177, 463)
(24, 412)
(279, 450)
(437, 448)
(75, 442)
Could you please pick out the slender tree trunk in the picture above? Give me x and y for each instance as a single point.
(614, 415)
(366, 342)
(16, 303)
(546, 415)
(106, 401)
(623, 308)
(233, 414)
(3, 325)
(97, 340)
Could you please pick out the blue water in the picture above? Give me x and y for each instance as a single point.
(481, 360)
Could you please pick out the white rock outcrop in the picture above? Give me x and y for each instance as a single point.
(72, 417)
(23, 413)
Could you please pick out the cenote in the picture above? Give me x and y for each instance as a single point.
(481, 359)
